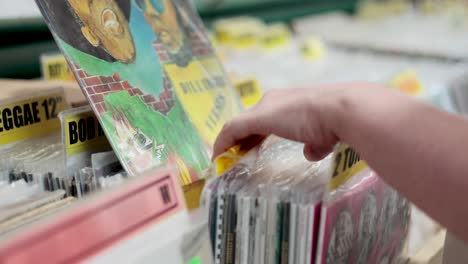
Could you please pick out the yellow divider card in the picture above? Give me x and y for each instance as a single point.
(346, 164)
(313, 49)
(33, 117)
(82, 131)
(276, 35)
(55, 67)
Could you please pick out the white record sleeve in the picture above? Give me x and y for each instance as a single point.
(239, 226)
(244, 232)
(292, 233)
(271, 231)
(310, 231)
(301, 242)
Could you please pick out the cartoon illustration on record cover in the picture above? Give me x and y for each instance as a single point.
(191, 64)
(147, 110)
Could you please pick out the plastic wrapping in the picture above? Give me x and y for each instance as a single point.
(273, 206)
(151, 76)
(31, 158)
(364, 221)
(82, 136)
(106, 165)
(265, 208)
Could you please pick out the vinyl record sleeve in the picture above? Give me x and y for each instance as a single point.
(271, 230)
(292, 233)
(151, 76)
(364, 221)
(286, 226)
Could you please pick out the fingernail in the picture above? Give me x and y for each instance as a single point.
(309, 156)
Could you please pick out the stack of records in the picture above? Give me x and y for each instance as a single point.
(274, 207)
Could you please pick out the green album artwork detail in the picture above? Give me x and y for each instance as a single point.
(150, 75)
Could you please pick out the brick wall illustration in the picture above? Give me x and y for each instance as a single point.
(96, 87)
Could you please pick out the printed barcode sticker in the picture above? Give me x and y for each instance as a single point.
(346, 164)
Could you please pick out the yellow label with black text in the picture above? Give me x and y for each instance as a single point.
(31, 118)
(313, 49)
(83, 133)
(346, 164)
(226, 160)
(244, 39)
(377, 9)
(56, 68)
(249, 91)
(206, 95)
(240, 32)
(276, 35)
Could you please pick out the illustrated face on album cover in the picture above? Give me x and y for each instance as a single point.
(151, 76)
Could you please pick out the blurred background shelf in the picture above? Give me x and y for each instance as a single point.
(24, 39)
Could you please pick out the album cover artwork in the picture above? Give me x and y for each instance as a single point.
(365, 222)
(150, 75)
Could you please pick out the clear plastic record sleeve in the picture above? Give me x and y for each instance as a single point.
(292, 233)
(286, 226)
(363, 221)
(261, 212)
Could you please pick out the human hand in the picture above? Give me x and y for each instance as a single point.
(308, 115)
(413, 146)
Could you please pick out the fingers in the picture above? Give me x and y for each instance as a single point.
(241, 127)
(316, 153)
(251, 122)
